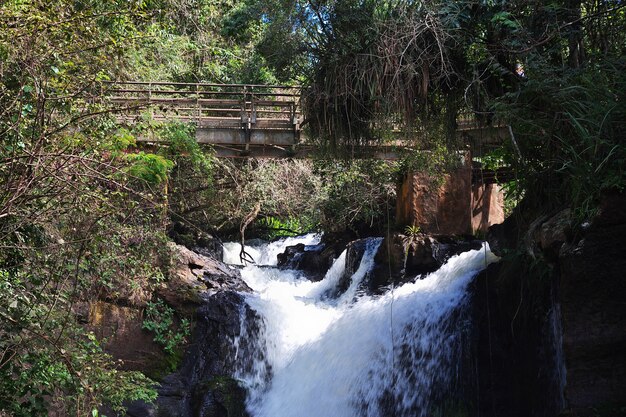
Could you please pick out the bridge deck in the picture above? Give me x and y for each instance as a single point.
(250, 120)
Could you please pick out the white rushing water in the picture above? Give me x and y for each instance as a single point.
(266, 253)
(352, 355)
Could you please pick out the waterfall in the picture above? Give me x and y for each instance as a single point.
(323, 354)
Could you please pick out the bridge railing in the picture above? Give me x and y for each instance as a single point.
(207, 105)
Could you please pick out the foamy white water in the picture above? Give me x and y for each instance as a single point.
(266, 254)
(355, 355)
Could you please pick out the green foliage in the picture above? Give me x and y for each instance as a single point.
(412, 231)
(50, 361)
(150, 168)
(119, 141)
(284, 190)
(381, 66)
(161, 55)
(210, 42)
(127, 263)
(63, 193)
(182, 143)
(411, 234)
(272, 228)
(569, 138)
(356, 193)
(159, 319)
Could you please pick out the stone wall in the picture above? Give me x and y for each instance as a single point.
(453, 206)
(487, 206)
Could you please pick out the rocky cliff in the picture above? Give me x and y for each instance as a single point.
(554, 277)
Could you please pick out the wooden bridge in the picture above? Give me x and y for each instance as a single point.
(250, 120)
(238, 120)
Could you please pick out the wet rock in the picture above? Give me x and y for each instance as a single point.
(290, 258)
(193, 274)
(512, 370)
(221, 396)
(314, 260)
(402, 258)
(354, 254)
(200, 388)
(419, 255)
(582, 271)
(445, 247)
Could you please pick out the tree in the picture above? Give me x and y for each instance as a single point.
(550, 70)
(64, 186)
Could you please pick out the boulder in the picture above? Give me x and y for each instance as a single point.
(445, 247)
(419, 255)
(192, 274)
(554, 232)
(313, 260)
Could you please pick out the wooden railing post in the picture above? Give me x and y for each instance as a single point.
(252, 107)
(245, 119)
(150, 101)
(198, 109)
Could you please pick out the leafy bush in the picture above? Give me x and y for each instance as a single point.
(159, 319)
(49, 362)
(149, 167)
(569, 130)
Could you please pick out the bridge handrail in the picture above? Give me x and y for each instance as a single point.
(243, 107)
(166, 83)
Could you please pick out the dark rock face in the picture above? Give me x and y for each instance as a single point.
(593, 302)
(514, 371)
(578, 273)
(201, 387)
(315, 260)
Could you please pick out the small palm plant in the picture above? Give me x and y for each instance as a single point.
(410, 237)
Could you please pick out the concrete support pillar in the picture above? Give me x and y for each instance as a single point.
(451, 205)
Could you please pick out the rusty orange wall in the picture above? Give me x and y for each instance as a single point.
(456, 207)
(487, 206)
(436, 209)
